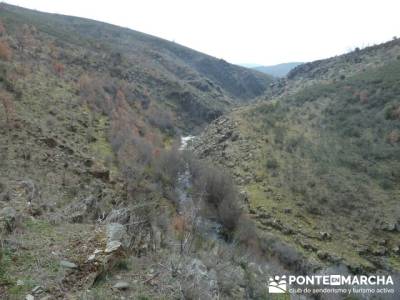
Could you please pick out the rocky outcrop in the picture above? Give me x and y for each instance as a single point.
(121, 216)
(84, 210)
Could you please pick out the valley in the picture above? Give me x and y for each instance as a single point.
(132, 167)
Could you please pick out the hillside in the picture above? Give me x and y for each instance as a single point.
(280, 70)
(336, 68)
(197, 86)
(132, 167)
(91, 117)
(320, 162)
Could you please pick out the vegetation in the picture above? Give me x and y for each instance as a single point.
(322, 157)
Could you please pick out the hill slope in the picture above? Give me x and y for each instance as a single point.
(90, 121)
(192, 83)
(321, 161)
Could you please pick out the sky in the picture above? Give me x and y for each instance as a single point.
(261, 32)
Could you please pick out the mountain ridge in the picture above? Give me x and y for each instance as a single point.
(279, 70)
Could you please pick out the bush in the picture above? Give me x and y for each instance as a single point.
(9, 108)
(167, 166)
(216, 189)
(272, 164)
(2, 28)
(162, 120)
(5, 51)
(58, 68)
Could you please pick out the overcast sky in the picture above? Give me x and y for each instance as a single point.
(247, 31)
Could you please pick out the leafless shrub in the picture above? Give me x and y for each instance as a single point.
(167, 165)
(5, 51)
(9, 108)
(216, 188)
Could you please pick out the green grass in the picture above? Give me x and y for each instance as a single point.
(324, 153)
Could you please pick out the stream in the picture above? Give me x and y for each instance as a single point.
(212, 230)
(187, 207)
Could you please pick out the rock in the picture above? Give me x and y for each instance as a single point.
(121, 285)
(68, 264)
(117, 233)
(391, 227)
(112, 246)
(20, 282)
(37, 290)
(120, 216)
(325, 236)
(91, 257)
(29, 297)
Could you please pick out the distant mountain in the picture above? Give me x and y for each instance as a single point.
(280, 70)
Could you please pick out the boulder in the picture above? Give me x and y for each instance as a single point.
(121, 285)
(112, 246)
(37, 290)
(120, 216)
(67, 264)
(116, 237)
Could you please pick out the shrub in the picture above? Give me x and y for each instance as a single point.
(272, 164)
(215, 188)
(2, 28)
(393, 113)
(5, 51)
(393, 137)
(162, 120)
(167, 165)
(9, 108)
(58, 68)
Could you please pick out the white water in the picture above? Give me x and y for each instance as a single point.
(185, 141)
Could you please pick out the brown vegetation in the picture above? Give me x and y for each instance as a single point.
(5, 51)
(2, 29)
(58, 68)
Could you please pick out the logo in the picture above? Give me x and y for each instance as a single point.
(277, 285)
(339, 284)
(335, 280)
